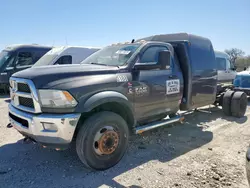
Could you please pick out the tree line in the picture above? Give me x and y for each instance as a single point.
(238, 58)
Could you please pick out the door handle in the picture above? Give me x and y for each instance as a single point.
(172, 76)
(197, 76)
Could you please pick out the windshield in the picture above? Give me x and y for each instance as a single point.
(116, 55)
(45, 60)
(4, 56)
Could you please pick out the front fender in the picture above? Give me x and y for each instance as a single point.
(101, 98)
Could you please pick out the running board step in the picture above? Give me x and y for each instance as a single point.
(141, 129)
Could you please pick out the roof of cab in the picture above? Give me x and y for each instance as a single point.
(83, 47)
(60, 49)
(221, 54)
(172, 37)
(15, 47)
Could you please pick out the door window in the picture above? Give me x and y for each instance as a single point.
(67, 59)
(11, 63)
(24, 59)
(221, 63)
(151, 54)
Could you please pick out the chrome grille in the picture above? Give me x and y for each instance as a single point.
(28, 102)
(22, 87)
(24, 95)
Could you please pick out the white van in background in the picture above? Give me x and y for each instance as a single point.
(226, 70)
(65, 55)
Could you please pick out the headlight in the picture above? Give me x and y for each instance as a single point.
(56, 99)
(13, 84)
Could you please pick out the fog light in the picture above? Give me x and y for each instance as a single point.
(49, 127)
(73, 121)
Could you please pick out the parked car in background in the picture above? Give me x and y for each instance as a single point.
(15, 58)
(65, 55)
(242, 81)
(226, 69)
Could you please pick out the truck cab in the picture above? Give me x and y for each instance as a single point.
(242, 81)
(65, 55)
(120, 89)
(226, 69)
(16, 58)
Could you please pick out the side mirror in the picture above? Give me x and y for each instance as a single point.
(164, 59)
(234, 69)
(146, 66)
(9, 69)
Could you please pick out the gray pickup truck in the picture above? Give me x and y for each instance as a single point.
(226, 69)
(16, 58)
(118, 90)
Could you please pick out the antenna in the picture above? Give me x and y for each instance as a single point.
(66, 40)
(133, 40)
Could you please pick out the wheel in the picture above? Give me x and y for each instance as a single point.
(102, 140)
(226, 103)
(239, 104)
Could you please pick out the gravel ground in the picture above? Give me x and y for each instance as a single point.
(208, 150)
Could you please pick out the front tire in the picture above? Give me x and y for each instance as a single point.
(102, 140)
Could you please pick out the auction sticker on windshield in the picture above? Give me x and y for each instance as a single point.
(124, 52)
(172, 86)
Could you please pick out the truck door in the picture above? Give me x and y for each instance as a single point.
(231, 71)
(222, 69)
(156, 91)
(7, 69)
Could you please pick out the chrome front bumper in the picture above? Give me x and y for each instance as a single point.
(44, 128)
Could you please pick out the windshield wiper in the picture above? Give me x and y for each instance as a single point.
(93, 63)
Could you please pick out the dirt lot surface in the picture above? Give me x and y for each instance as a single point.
(208, 150)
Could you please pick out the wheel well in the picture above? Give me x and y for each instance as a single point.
(115, 107)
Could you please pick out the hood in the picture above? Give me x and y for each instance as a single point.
(46, 74)
(243, 73)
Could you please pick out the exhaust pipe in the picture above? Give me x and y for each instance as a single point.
(141, 129)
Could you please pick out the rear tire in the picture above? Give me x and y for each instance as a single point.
(226, 103)
(102, 140)
(239, 104)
